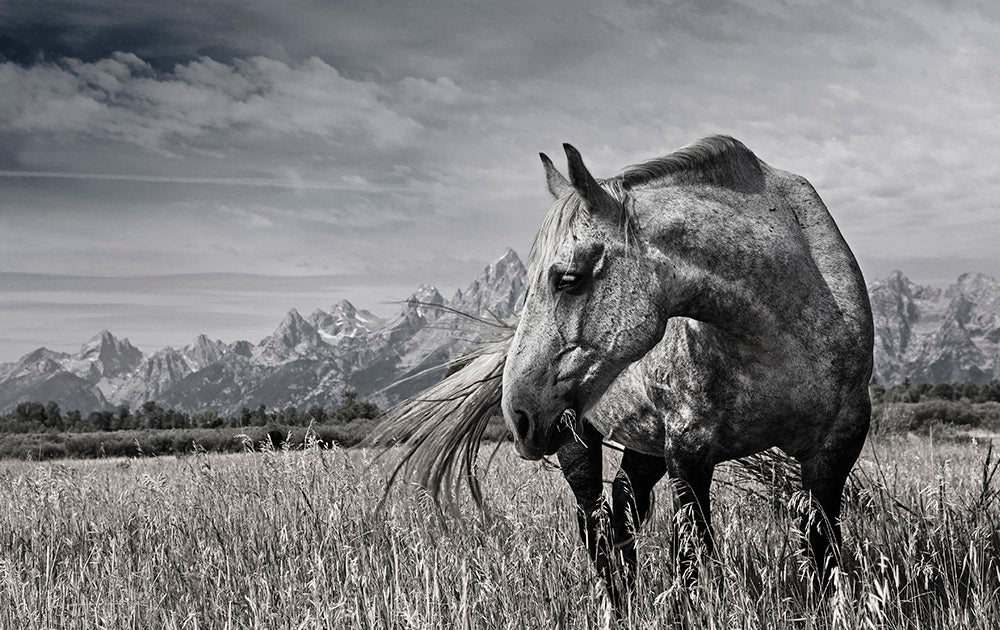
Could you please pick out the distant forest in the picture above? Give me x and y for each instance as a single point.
(34, 430)
(34, 417)
(43, 431)
(907, 392)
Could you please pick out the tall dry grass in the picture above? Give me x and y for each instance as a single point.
(292, 539)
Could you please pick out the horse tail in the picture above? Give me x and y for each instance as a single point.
(440, 430)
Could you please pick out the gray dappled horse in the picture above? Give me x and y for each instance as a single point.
(697, 308)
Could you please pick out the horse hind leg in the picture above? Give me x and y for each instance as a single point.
(631, 492)
(824, 476)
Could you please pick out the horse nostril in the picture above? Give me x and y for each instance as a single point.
(521, 424)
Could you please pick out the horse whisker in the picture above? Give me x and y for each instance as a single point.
(569, 419)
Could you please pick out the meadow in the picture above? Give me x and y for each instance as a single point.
(294, 539)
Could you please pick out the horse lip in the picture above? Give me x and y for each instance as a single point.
(525, 453)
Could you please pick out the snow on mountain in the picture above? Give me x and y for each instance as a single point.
(104, 356)
(105, 361)
(295, 338)
(429, 333)
(344, 321)
(33, 357)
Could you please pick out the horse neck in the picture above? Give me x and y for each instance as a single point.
(722, 269)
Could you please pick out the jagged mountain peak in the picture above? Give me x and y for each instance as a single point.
(896, 281)
(509, 260)
(203, 352)
(898, 284)
(104, 335)
(43, 353)
(976, 303)
(976, 278)
(206, 342)
(424, 303)
(496, 291)
(105, 345)
(346, 308)
(293, 325)
(294, 338)
(104, 356)
(426, 294)
(104, 338)
(344, 321)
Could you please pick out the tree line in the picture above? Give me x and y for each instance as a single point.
(915, 393)
(35, 417)
(33, 430)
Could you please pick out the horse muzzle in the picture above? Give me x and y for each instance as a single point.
(533, 441)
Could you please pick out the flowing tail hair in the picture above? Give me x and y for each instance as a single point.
(440, 430)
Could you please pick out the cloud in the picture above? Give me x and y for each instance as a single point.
(121, 99)
(250, 218)
(413, 129)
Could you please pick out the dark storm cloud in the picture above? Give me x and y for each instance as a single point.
(163, 33)
(386, 39)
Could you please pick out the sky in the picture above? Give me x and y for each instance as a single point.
(171, 168)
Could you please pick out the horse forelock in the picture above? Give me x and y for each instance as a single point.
(559, 221)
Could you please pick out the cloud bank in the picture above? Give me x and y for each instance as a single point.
(394, 139)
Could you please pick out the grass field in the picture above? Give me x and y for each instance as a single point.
(293, 540)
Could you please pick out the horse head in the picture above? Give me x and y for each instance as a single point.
(593, 305)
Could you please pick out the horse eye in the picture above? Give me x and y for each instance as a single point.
(568, 281)
(566, 278)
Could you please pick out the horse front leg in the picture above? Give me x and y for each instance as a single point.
(630, 498)
(582, 465)
(692, 480)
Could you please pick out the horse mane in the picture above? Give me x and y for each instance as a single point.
(717, 160)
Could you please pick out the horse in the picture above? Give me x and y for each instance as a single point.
(696, 308)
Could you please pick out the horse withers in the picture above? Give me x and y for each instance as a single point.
(697, 308)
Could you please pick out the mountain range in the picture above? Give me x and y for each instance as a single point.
(305, 361)
(922, 334)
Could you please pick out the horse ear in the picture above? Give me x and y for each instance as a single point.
(557, 183)
(584, 183)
